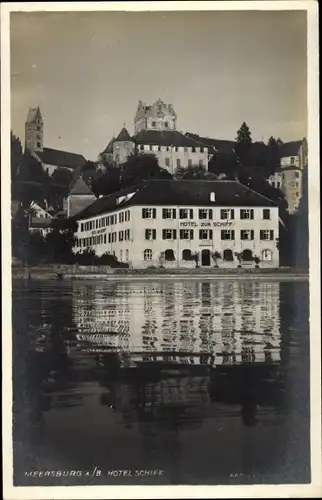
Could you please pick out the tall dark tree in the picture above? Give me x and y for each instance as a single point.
(243, 150)
(16, 156)
(272, 157)
(142, 167)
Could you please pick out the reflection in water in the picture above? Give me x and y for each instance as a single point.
(129, 375)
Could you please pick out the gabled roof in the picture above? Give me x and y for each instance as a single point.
(109, 147)
(61, 158)
(123, 135)
(290, 148)
(165, 138)
(173, 193)
(81, 188)
(33, 114)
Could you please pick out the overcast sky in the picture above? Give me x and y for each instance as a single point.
(87, 71)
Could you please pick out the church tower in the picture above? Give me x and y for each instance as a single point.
(34, 130)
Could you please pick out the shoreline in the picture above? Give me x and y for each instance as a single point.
(59, 273)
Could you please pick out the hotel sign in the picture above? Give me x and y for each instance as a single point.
(226, 223)
(99, 231)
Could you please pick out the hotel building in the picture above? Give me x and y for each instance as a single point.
(175, 224)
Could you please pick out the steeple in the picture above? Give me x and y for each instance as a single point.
(34, 130)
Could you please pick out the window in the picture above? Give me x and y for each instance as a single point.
(169, 234)
(186, 234)
(121, 217)
(186, 254)
(121, 255)
(200, 163)
(127, 234)
(96, 224)
(149, 213)
(266, 234)
(247, 213)
(186, 213)
(147, 254)
(167, 162)
(201, 150)
(178, 163)
(126, 255)
(169, 254)
(205, 234)
(189, 163)
(38, 144)
(227, 234)
(297, 193)
(267, 255)
(166, 124)
(228, 255)
(104, 238)
(278, 184)
(82, 226)
(266, 214)
(150, 234)
(117, 158)
(121, 235)
(154, 124)
(38, 128)
(109, 237)
(247, 234)
(273, 184)
(227, 214)
(168, 213)
(193, 149)
(292, 160)
(205, 213)
(297, 175)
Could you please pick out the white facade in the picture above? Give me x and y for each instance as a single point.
(158, 116)
(172, 157)
(146, 236)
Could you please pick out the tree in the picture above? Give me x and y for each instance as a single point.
(106, 180)
(16, 156)
(215, 257)
(243, 147)
(142, 167)
(272, 157)
(222, 164)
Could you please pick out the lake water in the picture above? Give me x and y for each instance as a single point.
(178, 382)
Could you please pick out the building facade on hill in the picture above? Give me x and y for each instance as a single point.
(51, 159)
(40, 218)
(171, 223)
(288, 177)
(155, 133)
(79, 198)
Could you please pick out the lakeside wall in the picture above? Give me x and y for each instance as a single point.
(56, 271)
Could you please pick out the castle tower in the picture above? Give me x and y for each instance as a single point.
(123, 146)
(159, 116)
(34, 130)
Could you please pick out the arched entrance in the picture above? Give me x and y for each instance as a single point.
(228, 255)
(205, 258)
(247, 255)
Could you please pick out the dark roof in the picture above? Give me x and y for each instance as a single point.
(179, 192)
(123, 135)
(290, 148)
(109, 147)
(37, 222)
(61, 158)
(81, 188)
(221, 145)
(165, 138)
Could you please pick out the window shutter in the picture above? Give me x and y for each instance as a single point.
(191, 213)
(210, 214)
(191, 234)
(174, 234)
(143, 213)
(233, 235)
(174, 213)
(232, 214)
(252, 234)
(154, 233)
(210, 234)
(252, 214)
(163, 234)
(154, 213)
(146, 234)
(271, 234)
(221, 213)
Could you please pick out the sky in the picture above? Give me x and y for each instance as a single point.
(88, 70)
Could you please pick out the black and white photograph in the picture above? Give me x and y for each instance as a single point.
(160, 247)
